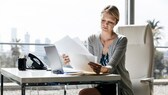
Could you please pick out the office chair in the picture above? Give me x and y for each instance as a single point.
(139, 57)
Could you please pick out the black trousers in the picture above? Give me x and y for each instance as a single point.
(106, 89)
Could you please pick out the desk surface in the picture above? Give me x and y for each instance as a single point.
(40, 76)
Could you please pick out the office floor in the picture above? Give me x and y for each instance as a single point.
(158, 90)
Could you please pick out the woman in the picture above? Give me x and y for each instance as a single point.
(110, 48)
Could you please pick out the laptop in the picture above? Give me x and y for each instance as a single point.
(54, 59)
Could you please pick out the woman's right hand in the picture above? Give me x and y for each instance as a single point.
(66, 59)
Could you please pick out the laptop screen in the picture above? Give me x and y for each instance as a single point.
(54, 59)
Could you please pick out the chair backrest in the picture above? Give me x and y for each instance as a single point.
(140, 50)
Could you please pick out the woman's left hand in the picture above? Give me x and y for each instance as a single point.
(96, 67)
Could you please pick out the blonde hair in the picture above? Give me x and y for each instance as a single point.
(112, 10)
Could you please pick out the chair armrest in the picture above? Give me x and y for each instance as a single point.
(145, 80)
(148, 81)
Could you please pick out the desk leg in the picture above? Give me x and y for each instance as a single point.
(118, 88)
(65, 90)
(23, 89)
(1, 84)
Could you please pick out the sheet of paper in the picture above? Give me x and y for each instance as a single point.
(77, 40)
(68, 45)
(77, 52)
(80, 61)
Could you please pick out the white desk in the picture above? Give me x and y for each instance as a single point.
(35, 77)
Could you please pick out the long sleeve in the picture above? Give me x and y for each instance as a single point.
(117, 52)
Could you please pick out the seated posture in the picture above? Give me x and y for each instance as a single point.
(110, 49)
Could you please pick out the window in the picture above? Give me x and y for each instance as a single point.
(51, 19)
(46, 21)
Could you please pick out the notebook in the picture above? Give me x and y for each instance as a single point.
(56, 64)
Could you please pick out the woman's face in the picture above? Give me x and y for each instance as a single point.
(107, 22)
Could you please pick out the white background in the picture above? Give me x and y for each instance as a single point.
(54, 19)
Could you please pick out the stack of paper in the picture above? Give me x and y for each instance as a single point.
(77, 52)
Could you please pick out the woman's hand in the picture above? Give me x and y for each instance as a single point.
(96, 67)
(66, 59)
